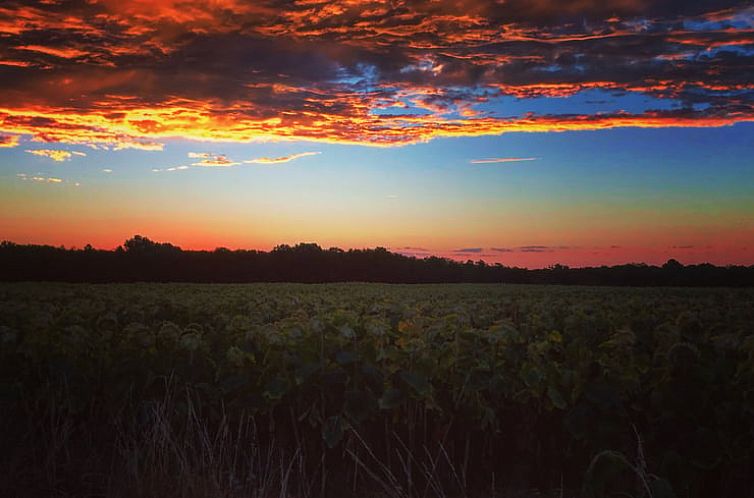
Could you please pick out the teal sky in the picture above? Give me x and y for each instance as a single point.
(654, 193)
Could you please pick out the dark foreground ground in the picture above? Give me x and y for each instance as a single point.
(398, 391)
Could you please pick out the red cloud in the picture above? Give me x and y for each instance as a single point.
(7, 141)
(132, 74)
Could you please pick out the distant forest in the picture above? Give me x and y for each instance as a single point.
(142, 260)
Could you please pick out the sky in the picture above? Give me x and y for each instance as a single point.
(526, 133)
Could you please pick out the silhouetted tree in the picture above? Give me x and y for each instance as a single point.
(141, 259)
(142, 245)
(672, 265)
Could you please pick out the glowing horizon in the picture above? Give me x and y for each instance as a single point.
(525, 133)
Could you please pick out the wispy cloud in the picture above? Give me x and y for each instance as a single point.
(171, 169)
(39, 179)
(499, 160)
(528, 249)
(64, 53)
(208, 160)
(7, 141)
(121, 142)
(281, 159)
(535, 249)
(211, 160)
(541, 248)
(469, 250)
(54, 154)
(217, 162)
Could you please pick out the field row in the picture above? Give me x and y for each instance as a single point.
(431, 390)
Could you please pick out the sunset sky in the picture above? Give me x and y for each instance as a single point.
(528, 133)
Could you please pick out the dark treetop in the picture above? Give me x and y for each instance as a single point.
(142, 260)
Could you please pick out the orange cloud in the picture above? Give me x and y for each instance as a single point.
(65, 53)
(55, 155)
(359, 128)
(119, 75)
(7, 141)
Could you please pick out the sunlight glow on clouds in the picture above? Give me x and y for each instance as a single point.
(252, 86)
(8, 141)
(134, 74)
(55, 155)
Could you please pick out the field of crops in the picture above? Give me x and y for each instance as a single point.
(375, 390)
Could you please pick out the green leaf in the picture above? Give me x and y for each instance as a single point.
(276, 388)
(391, 398)
(603, 394)
(418, 382)
(373, 376)
(345, 357)
(531, 376)
(556, 398)
(303, 372)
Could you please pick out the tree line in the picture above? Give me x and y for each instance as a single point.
(140, 259)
